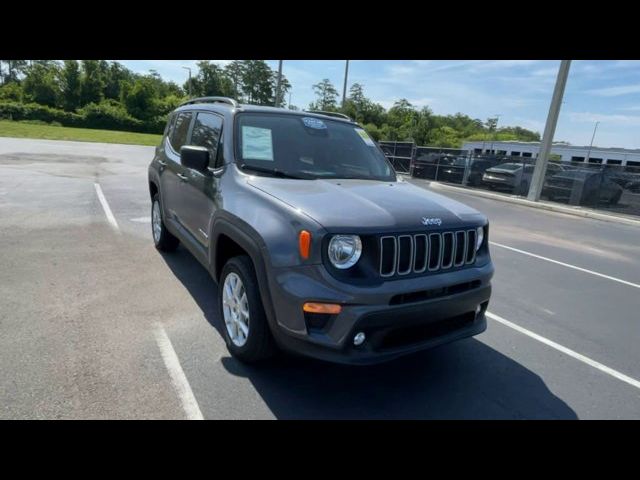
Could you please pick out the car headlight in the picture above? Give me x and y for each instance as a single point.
(479, 237)
(344, 251)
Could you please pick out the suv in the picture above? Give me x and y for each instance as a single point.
(317, 247)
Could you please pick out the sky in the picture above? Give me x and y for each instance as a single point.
(605, 91)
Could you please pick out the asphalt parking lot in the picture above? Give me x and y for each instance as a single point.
(95, 323)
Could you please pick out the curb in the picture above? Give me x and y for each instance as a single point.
(542, 205)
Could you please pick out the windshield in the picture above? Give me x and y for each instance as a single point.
(308, 147)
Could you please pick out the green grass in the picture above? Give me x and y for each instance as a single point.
(10, 128)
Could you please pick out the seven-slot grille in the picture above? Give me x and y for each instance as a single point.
(422, 252)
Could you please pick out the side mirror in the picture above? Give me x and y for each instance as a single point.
(194, 157)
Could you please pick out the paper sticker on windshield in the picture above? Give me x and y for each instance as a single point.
(365, 137)
(257, 143)
(314, 123)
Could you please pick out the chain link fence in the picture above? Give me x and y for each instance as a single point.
(614, 188)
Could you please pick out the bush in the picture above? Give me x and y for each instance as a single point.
(109, 115)
(34, 111)
(11, 92)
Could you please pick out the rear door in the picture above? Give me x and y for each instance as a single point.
(173, 174)
(200, 191)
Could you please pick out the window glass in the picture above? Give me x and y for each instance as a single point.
(320, 148)
(180, 130)
(206, 133)
(167, 128)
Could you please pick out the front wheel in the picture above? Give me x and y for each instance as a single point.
(246, 331)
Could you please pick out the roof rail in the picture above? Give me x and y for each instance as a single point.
(330, 114)
(227, 100)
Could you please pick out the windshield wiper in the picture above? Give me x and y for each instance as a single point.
(275, 172)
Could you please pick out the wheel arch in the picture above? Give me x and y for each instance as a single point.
(231, 236)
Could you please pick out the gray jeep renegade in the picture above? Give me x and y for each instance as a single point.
(317, 247)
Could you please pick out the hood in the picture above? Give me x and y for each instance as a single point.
(366, 204)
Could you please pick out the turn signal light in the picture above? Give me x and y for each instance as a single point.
(304, 244)
(329, 308)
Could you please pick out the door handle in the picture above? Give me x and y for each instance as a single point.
(183, 177)
(164, 164)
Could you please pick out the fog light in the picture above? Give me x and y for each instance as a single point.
(359, 339)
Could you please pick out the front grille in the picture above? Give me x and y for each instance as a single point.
(404, 254)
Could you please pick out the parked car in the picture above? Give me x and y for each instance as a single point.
(427, 165)
(593, 187)
(451, 169)
(633, 186)
(515, 177)
(454, 171)
(622, 178)
(316, 245)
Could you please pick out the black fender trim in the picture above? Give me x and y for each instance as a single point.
(224, 223)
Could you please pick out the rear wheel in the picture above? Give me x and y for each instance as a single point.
(162, 238)
(616, 198)
(246, 331)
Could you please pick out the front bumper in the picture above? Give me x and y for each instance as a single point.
(450, 306)
(499, 183)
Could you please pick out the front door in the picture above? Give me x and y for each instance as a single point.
(200, 191)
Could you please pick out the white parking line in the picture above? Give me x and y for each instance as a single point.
(178, 378)
(603, 368)
(568, 265)
(105, 207)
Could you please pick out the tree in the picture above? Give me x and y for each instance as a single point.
(114, 75)
(91, 83)
(13, 69)
(401, 113)
(445, 137)
(210, 81)
(235, 71)
(11, 92)
(285, 86)
(327, 96)
(258, 82)
(70, 83)
(141, 100)
(41, 83)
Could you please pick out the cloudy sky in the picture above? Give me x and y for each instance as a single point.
(518, 90)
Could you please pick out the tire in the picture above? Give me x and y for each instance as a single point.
(616, 198)
(162, 238)
(524, 188)
(258, 342)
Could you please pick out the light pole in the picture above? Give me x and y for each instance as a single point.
(187, 68)
(495, 130)
(344, 87)
(549, 130)
(277, 102)
(586, 160)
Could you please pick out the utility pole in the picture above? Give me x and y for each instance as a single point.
(277, 102)
(586, 160)
(187, 68)
(495, 130)
(549, 131)
(344, 88)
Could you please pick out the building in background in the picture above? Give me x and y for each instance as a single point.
(566, 152)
